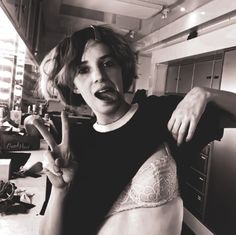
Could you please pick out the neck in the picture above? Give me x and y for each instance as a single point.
(111, 118)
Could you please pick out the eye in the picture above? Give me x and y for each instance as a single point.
(108, 63)
(83, 70)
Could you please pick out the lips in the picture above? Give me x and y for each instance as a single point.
(108, 94)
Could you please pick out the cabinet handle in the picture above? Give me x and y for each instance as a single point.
(200, 178)
(208, 77)
(199, 198)
(203, 157)
(216, 77)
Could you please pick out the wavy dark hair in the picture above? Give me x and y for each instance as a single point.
(60, 65)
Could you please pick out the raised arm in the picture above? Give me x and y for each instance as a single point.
(188, 112)
(60, 169)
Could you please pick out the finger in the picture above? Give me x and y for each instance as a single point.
(50, 164)
(56, 170)
(44, 132)
(175, 129)
(171, 123)
(48, 158)
(65, 128)
(61, 163)
(52, 168)
(51, 176)
(191, 130)
(182, 132)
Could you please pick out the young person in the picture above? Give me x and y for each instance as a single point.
(117, 175)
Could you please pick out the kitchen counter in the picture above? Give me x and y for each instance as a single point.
(27, 224)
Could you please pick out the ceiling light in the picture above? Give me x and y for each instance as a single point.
(164, 13)
(131, 34)
(203, 13)
(182, 9)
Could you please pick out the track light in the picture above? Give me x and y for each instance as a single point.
(164, 13)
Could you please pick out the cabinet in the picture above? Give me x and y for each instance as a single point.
(221, 203)
(185, 78)
(26, 18)
(172, 77)
(32, 24)
(217, 74)
(203, 72)
(13, 10)
(196, 183)
(181, 77)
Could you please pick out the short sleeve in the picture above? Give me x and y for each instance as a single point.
(161, 108)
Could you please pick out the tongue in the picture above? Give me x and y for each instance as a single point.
(107, 96)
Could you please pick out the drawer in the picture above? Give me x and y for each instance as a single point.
(206, 150)
(200, 163)
(196, 180)
(193, 201)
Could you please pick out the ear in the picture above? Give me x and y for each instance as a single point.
(76, 90)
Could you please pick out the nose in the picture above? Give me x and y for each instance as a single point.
(98, 75)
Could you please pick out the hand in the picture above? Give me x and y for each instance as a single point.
(187, 114)
(61, 167)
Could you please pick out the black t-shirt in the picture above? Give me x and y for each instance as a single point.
(108, 161)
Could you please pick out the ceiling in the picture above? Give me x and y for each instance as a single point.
(132, 18)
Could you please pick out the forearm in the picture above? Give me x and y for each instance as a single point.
(224, 100)
(186, 116)
(52, 221)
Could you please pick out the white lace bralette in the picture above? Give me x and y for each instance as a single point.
(154, 184)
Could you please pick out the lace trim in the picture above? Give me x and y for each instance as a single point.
(154, 184)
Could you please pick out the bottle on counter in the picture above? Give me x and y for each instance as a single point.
(47, 121)
(29, 112)
(41, 110)
(15, 115)
(24, 115)
(34, 109)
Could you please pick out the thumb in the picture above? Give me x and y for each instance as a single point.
(62, 163)
(52, 176)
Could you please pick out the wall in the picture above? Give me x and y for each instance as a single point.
(217, 30)
(143, 72)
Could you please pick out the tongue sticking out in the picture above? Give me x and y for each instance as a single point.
(107, 95)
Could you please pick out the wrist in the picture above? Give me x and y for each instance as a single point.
(210, 94)
(60, 192)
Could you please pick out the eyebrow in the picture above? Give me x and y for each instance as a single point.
(101, 58)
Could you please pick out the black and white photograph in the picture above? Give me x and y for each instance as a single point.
(117, 117)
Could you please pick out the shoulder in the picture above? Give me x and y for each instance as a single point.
(170, 100)
(159, 107)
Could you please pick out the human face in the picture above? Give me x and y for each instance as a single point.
(99, 80)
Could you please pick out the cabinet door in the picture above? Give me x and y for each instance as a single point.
(222, 190)
(13, 9)
(217, 74)
(23, 16)
(31, 27)
(171, 80)
(185, 78)
(202, 74)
